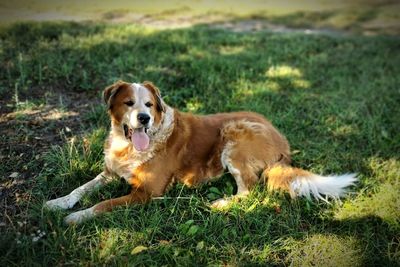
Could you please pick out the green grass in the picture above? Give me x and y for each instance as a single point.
(335, 98)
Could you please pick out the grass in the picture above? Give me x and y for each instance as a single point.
(368, 18)
(364, 17)
(335, 98)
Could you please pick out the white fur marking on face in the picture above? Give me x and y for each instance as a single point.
(158, 136)
(142, 96)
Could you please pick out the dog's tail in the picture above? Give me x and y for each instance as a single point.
(299, 182)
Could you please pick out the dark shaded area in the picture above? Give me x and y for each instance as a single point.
(345, 112)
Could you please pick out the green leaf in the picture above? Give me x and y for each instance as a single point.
(215, 191)
(193, 230)
(229, 188)
(212, 196)
(189, 222)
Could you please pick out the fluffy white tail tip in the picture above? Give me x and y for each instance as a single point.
(316, 185)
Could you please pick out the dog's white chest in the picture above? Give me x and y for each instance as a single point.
(122, 159)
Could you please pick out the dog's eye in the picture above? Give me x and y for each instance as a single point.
(129, 103)
(149, 104)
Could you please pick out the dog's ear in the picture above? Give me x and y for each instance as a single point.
(154, 90)
(111, 91)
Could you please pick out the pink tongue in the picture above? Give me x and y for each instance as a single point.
(140, 140)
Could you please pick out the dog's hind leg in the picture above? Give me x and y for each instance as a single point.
(249, 148)
(242, 169)
(68, 201)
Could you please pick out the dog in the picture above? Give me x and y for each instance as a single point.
(152, 146)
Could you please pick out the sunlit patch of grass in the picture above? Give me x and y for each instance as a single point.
(345, 130)
(273, 86)
(384, 202)
(301, 83)
(194, 105)
(231, 50)
(346, 121)
(281, 77)
(385, 170)
(326, 250)
(115, 35)
(283, 71)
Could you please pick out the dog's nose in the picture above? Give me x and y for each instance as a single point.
(143, 118)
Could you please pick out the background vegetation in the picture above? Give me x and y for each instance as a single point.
(335, 95)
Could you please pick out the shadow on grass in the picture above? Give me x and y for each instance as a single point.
(295, 235)
(334, 98)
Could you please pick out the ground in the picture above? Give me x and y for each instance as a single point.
(333, 92)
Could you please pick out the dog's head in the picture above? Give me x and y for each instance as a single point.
(137, 109)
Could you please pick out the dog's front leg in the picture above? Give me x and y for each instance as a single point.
(137, 195)
(68, 201)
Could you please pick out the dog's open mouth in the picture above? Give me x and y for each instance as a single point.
(138, 137)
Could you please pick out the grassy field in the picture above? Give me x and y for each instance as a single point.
(361, 16)
(335, 98)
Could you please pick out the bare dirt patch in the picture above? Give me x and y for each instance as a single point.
(28, 130)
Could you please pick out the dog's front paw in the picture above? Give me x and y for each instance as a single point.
(79, 216)
(62, 203)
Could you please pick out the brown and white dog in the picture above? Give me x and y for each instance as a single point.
(152, 146)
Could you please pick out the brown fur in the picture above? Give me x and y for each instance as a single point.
(152, 153)
(192, 152)
(279, 177)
